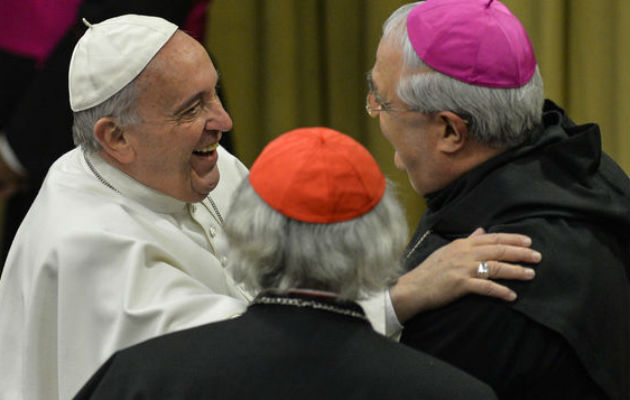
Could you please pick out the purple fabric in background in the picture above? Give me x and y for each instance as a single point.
(32, 28)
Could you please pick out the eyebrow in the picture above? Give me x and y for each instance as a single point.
(198, 96)
(370, 82)
(188, 103)
(372, 88)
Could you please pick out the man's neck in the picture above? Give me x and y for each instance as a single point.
(468, 158)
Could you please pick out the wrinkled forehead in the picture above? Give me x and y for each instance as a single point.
(181, 70)
(386, 71)
(181, 51)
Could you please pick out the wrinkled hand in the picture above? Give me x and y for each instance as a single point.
(10, 181)
(450, 272)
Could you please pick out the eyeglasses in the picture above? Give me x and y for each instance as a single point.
(373, 107)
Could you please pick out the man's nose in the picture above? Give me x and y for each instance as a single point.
(218, 119)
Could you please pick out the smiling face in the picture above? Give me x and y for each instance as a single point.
(413, 135)
(175, 146)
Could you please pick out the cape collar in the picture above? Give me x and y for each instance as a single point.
(316, 300)
(537, 179)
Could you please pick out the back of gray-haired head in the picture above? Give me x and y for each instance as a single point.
(269, 251)
(497, 117)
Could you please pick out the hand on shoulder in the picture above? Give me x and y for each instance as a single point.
(451, 272)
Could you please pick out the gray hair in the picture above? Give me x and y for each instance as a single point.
(121, 106)
(497, 117)
(267, 250)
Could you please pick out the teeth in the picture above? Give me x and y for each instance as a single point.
(208, 149)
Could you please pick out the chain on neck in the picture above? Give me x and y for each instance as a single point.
(215, 208)
(97, 175)
(308, 303)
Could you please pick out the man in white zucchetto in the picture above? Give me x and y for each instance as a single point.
(121, 243)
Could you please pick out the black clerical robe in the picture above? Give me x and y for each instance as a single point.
(284, 347)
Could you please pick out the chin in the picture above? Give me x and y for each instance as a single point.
(417, 187)
(205, 190)
(196, 197)
(203, 186)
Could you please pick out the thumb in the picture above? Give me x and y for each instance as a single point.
(477, 232)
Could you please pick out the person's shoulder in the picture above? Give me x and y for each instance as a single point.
(228, 162)
(404, 373)
(417, 374)
(225, 157)
(179, 347)
(232, 172)
(89, 214)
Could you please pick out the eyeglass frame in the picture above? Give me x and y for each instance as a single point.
(373, 112)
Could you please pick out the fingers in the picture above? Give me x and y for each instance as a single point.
(499, 270)
(510, 253)
(451, 272)
(477, 232)
(491, 289)
(514, 239)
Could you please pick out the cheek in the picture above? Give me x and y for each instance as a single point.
(395, 135)
(168, 155)
(407, 157)
(382, 124)
(389, 132)
(180, 143)
(398, 161)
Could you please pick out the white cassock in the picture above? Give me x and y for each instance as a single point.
(94, 269)
(102, 262)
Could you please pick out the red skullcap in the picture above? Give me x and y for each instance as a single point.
(317, 175)
(475, 41)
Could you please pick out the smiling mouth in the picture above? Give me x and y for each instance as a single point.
(206, 150)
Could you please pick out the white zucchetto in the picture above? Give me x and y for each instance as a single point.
(111, 54)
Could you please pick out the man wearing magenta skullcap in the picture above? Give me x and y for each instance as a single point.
(458, 94)
(120, 244)
(313, 229)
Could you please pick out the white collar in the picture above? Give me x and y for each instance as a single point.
(130, 188)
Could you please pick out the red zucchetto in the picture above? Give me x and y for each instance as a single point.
(317, 175)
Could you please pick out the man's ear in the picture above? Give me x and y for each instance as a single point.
(113, 140)
(454, 133)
